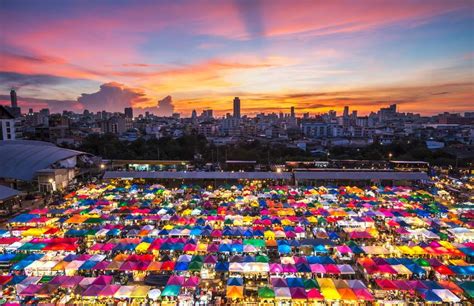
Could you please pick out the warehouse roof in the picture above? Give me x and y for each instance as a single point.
(198, 175)
(7, 193)
(315, 175)
(21, 159)
(361, 175)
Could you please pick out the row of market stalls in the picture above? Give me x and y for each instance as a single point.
(119, 241)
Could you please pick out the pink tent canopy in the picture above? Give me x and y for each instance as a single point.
(108, 247)
(332, 269)
(386, 284)
(344, 249)
(128, 266)
(298, 293)
(176, 280)
(189, 247)
(109, 290)
(96, 247)
(101, 265)
(278, 282)
(387, 269)
(363, 294)
(193, 281)
(213, 248)
(317, 268)
(314, 294)
(72, 281)
(103, 280)
(402, 285)
(30, 290)
(93, 290)
(300, 259)
(360, 235)
(58, 280)
(276, 268)
(210, 259)
(289, 268)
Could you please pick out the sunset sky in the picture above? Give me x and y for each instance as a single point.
(315, 55)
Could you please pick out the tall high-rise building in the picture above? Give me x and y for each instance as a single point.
(346, 112)
(387, 112)
(236, 107)
(13, 98)
(14, 109)
(292, 112)
(194, 114)
(354, 114)
(128, 112)
(207, 114)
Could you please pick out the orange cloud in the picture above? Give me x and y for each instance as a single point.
(204, 76)
(420, 99)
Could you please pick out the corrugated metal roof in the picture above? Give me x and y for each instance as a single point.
(21, 159)
(361, 175)
(7, 192)
(198, 175)
(316, 175)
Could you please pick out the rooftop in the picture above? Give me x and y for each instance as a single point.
(21, 159)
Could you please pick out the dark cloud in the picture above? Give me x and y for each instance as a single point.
(112, 97)
(165, 107)
(18, 80)
(56, 106)
(251, 13)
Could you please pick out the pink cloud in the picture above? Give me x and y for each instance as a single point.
(332, 17)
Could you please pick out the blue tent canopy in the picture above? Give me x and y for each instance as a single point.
(88, 265)
(235, 281)
(222, 266)
(295, 282)
(23, 218)
(284, 249)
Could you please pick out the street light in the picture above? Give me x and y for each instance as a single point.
(52, 182)
(390, 156)
(102, 166)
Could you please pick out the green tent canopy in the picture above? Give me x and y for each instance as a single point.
(266, 293)
(422, 262)
(262, 258)
(310, 284)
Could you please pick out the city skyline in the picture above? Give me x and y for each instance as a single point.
(273, 55)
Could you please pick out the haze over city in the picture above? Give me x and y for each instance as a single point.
(313, 55)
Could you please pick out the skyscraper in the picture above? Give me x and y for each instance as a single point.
(236, 107)
(13, 98)
(346, 112)
(128, 112)
(14, 109)
(292, 112)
